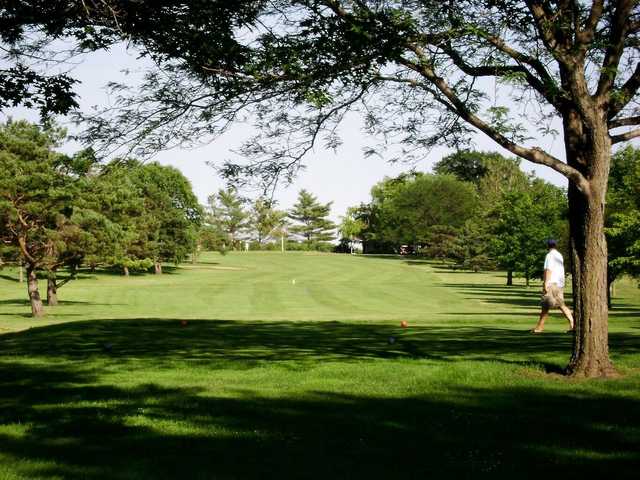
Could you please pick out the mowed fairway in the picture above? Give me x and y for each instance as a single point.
(284, 369)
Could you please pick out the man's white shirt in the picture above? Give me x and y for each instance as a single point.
(555, 264)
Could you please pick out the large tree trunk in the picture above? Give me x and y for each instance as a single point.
(52, 290)
(125, 271)
(37, 310)
(158, 268)
(509, 278)
(590, 356)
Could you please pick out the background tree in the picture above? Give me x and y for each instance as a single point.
(266, 221)
(525, 219)
(465, 165)
(623, 216)
(311, 219)
(414, 208)
(471, 249)
(227, 211)
(502, 176)
(34, 197)
(172, 213)
(113, 210)
(351, 227)
(429, 201)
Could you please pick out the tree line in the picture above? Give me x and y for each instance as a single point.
(60, 212)
(232, 221)
(480, 211)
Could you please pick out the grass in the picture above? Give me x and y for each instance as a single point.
(272, 378)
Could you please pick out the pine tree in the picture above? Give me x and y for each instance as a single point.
(311, 218)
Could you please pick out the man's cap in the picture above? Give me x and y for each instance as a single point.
(551, 243)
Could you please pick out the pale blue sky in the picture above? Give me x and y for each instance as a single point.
(344, 177)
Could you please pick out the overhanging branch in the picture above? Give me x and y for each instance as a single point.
(623, 137)
(624, 122)
(535, 155)
(625, 93)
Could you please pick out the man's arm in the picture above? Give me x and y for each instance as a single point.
(545, 278)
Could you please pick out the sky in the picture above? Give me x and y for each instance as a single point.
(344, 177)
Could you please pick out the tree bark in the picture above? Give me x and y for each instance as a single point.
(125, 271)
(509, 278)
(52, 290)
(37, 310)
(20, 274)
(590, 356)
(158, 268)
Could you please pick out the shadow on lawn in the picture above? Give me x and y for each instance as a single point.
(499, 294)
(223, 341)
(82, 429)
(209, 340)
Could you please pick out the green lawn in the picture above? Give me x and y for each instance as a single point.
(285, 370)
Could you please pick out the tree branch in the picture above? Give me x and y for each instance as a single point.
(623, 137)
(22, 242)
(625, 93)
(623, 122)
(615, 47)
(495, 71)
(586, 36)
(535, 155)
(543, 18)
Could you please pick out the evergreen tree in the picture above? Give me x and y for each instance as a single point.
(311, 219)
(227, 213)
(35, 198)
(265, 220)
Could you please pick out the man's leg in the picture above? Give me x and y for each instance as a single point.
(544, 313)
(568, 315)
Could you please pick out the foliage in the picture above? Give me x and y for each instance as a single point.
(414, 208)
(311, 220)
(412, 63)
(227, 214)
(36, 194)
(465, 165)
(623, 214)
(172, 213)
(524, 220)
(266, 221)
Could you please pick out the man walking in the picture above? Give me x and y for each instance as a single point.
(552, 285)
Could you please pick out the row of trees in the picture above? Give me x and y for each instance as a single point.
(481, 211)
(231, 219)
(60, 212)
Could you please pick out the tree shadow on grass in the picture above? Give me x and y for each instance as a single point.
(498, 294)
(15, 301)
(72, 426)
(217, 343)
(12, 278)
